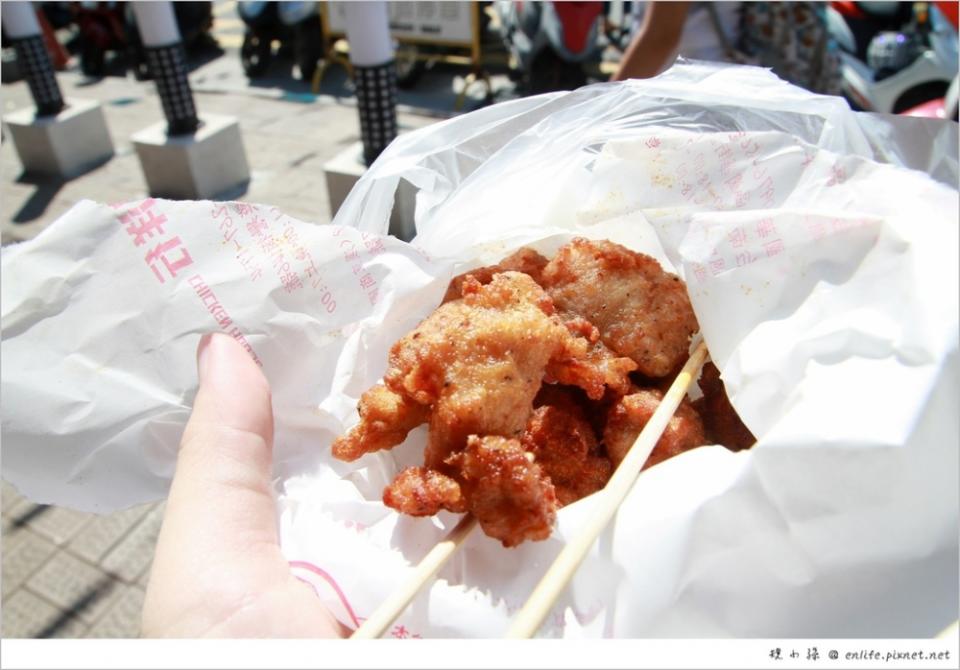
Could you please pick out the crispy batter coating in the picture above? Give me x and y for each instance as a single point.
(419, 491)
(720, 420)
(594, 370)
(641, 311)
(594, 411)
(508, 493)
(588, 363)
(628, 417)
(566, 448)
(524, 260)
(479, 361)
(385, 419)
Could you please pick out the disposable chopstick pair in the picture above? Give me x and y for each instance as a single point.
(607, 502)
(531, 616)
(393, 606)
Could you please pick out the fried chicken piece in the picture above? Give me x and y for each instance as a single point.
(641, 311)
(385, 419)
(595, 371)
(632, 412)
(479, 361)
(419, 491)
(566, 448)
(472, 367)
(594, 411)
(524, 260)
(473, 370)
(593, 367)
(506, 490)
(721, 422)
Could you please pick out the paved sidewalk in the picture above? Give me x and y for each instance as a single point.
(69, 574)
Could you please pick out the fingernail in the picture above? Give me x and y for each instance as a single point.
(203, 357)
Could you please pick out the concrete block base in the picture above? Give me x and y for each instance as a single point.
(346, 168)
(64, 145)
(204, 165)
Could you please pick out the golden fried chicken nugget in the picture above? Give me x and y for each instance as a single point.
(641, 311)
(524, 260)
(479, 361)
(594, 369)
(506, 490)
(566, 448)
(632, 412)
(385, 419)
(419, 491)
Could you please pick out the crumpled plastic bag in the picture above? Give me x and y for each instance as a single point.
(819, 247)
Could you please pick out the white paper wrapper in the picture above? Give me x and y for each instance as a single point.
(821, 258)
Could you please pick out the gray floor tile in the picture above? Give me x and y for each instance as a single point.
(133, 554)
(59, 524)
(75, 586)
(122, 620)
(27, 615)
(103, 532)
(28, 553)
(17, 509)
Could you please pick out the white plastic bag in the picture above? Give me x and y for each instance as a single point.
(822, 264)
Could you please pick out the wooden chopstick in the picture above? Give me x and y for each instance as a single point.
(535, 610)
(393, 606)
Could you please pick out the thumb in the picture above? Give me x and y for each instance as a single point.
(222, 489)
(219, 530)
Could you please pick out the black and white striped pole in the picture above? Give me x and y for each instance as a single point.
(54, 138)
(374, 74)
(375, 78)
(188, 156)
(23, 29)
(167, 62)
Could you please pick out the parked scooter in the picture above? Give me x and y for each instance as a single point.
(294, 25)
(894, 56)
(110, 26)
(552, 43)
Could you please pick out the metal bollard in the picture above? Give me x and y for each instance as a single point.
(23, 29)
(167, 61)
(375, 75)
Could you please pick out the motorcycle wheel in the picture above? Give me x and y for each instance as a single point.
(255, 55)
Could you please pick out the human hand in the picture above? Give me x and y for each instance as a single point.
(218, 570)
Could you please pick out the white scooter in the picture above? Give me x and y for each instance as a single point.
(904, 68)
